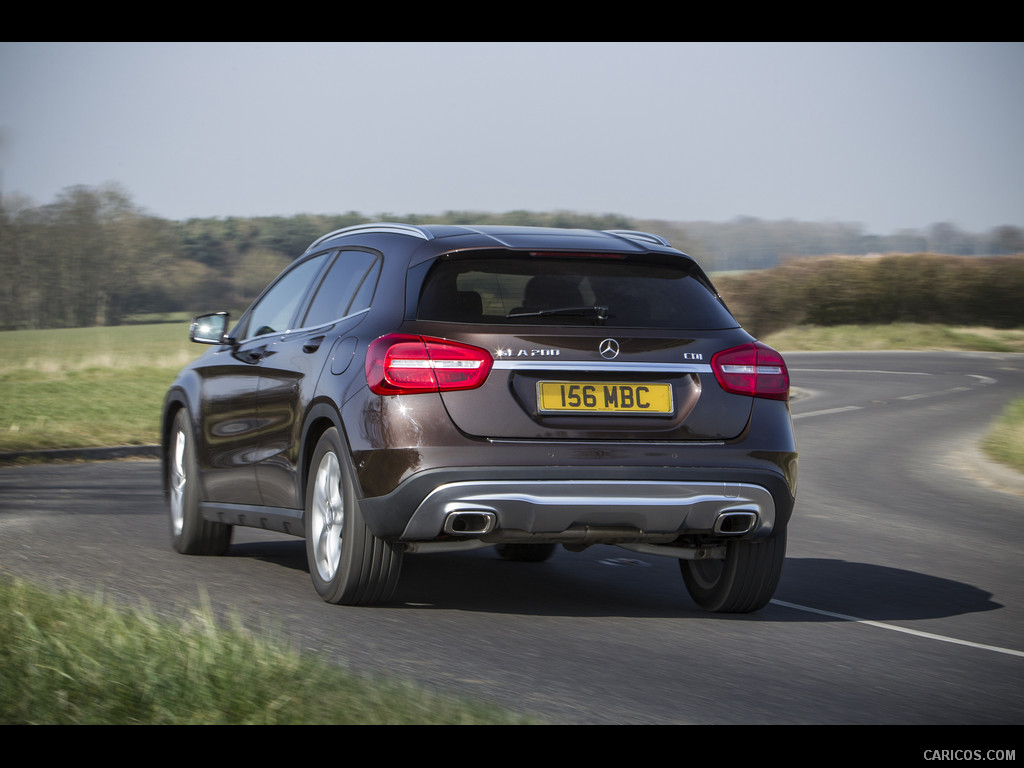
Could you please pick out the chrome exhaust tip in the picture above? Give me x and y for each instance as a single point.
(469, 522)
(736, 523)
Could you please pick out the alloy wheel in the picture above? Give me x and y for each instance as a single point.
(328, 517)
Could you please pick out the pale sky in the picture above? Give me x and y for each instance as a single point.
(887, 135)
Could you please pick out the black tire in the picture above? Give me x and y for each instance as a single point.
(348, 564)
(743, 582)
(525, 553)
(190, 533)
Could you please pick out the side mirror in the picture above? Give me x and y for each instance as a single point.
(209, 329)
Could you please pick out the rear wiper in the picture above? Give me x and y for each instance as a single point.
(601, 313)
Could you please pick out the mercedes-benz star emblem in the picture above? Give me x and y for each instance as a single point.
(609, 349)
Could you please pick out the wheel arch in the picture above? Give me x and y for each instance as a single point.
(320, 418)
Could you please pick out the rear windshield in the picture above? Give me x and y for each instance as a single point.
(551, 290)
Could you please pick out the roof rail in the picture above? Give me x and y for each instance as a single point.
(379, 227)
(634, 235)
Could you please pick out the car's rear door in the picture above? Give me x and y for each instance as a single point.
(294, 364)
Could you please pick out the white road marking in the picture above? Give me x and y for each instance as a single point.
(858, 370)
(894, 628)
(982, 381)
(827, 411)
(923, 395)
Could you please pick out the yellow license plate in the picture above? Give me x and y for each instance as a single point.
(603, 397)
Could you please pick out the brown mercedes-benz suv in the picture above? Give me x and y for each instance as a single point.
(405, 389)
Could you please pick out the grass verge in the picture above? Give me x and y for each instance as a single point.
(68, 659)
(1005, 440)
(896, 336)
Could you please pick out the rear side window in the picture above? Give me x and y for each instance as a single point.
(552, 290)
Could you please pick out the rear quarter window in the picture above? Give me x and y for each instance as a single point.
(533, 290)
(346, 289)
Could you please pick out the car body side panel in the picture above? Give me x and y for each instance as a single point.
(289, 381)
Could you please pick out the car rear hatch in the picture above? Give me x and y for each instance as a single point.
(583, 346)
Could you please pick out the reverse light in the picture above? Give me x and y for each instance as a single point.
(752, 369)
(403, 365)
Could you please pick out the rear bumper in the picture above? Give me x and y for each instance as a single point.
(581, 505)
(567, 510)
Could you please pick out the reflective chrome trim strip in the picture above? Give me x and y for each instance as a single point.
(598, 366)
(445, 364)
(621, 443)
(307, 328)
(383, 227)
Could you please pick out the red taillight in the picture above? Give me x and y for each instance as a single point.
(405, 365)
(752, 369)
(577, 255)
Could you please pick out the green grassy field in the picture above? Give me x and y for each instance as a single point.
(83, 387)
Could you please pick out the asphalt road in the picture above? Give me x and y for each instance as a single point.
(902, 599)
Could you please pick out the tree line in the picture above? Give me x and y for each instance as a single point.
(92, 257)
(895, 288)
